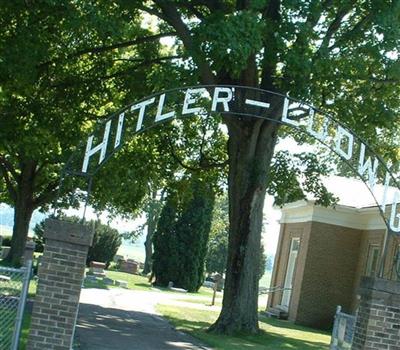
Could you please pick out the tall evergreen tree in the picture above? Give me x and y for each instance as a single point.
(165, 257)
(180, 242)
(217, 249)
(193, 228)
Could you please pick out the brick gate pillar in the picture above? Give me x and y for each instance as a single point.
(60, 279)
(378, 316)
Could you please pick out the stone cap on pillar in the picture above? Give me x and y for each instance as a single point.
(29, 250)
(380, 284)
(69, 232)
(382, 289)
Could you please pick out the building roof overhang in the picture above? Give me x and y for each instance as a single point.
(340, 215)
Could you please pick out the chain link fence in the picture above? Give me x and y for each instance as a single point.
(14, 285)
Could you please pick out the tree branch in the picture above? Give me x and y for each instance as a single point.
(270, 60)
(356, 28)
(312, 20)
(10, 188)
(138, 41)
(178, 159)
(384, 81)
(204, 163)
(156, 60)
(117, 74)
(212, 5)
(152, 11)
(333, 28)
(46, 195)
(9, 167)
(242, 4)
(172, 17)
(191, 7)
(104, 48)
(141, 64)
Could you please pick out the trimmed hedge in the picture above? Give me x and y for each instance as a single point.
(6, 241)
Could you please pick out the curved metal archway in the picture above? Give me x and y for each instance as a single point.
(243, 102)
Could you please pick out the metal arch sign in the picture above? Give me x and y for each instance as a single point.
(242, 102)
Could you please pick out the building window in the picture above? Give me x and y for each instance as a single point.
(290, 271)
(295, 245)
(372, 260)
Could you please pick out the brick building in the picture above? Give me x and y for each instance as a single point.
(321, 256)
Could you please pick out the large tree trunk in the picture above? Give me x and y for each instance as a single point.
(251, 146)
(153, 213)
(22, 212)
(148, 244)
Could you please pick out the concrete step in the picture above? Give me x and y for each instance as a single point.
(277, 312)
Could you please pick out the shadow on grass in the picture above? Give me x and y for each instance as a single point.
(4, 263)
(289, 325)
(165, 289)
(263, 340)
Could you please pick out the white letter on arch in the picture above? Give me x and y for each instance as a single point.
(320, 135)
(223, 100)
(341, 134)
(393, 215)
(119, 130)
(384, 197)
(364, 166)
(285, 111)
(141, 106)
(159, 115)
(189, 100)
(102, 147)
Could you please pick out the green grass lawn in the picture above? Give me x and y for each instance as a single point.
(32, 288)
(7, 333)
(274, 334)
(25, 331)
(207, 302)
(16, 288)
(138, 282)
(7, 316)
(17, 285)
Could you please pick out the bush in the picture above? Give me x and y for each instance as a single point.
(6, 241)
(38, 238)
(106, 242)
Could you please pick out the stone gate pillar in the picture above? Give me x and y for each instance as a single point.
(378, 316)
(60, 280)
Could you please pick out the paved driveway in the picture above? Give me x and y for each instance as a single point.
(119, 319)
